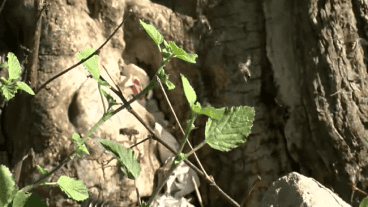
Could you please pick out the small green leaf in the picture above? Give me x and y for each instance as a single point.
(144, 204)
(210, 111)
(91, 64)
(9, 88)
(126, 157)
(165, 78)
(153, 33)
(167, 52)
(25, 87)
(81, 147)
(74, 189)
(181, 54)
(14, 66)
(42, 170)
(181, 156)
(231, 130)
(4, 65)
(111, 100)
(188, 91)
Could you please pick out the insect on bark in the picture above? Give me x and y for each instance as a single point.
(244, 69)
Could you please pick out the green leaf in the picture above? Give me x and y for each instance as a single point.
(111, 100)
(81, 147)
(14, 66)
(144, 204)
(167, 52)
(153, 33)
(91, 64)
(74, 189)
(188, 91)
(210, 111)
(231, 130)
(8, 188)
(181, 54)
(165, 78)
(28, 199)
(9, 88)
(25, 87)
(126, 157)
(42, 170)
(4, 65)
(364, 202)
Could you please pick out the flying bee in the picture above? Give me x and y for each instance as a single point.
(244, 68)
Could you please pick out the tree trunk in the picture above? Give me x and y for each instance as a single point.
(308, 83)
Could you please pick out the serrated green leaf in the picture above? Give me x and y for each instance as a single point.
(14, 66)
(126, 157)
(92, 63)
(9, 88)
(8, 185)
(181, 54)
(152, 32)
(188, 91)
(231, 130)
(25, 87)
(74, 189)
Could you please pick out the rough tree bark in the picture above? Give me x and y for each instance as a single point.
(308, 87)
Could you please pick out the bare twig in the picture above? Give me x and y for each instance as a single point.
(361, 191)
(33, 58)
(197, 192)
(2, 6)
(253, 185)
(84, 60)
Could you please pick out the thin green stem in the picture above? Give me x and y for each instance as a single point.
(196, 148)
(103, 102)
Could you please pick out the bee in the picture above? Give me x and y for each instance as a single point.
(244, 68)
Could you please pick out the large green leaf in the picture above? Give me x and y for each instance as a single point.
(231, 130)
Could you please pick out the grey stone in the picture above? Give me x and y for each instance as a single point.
(295, 190)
